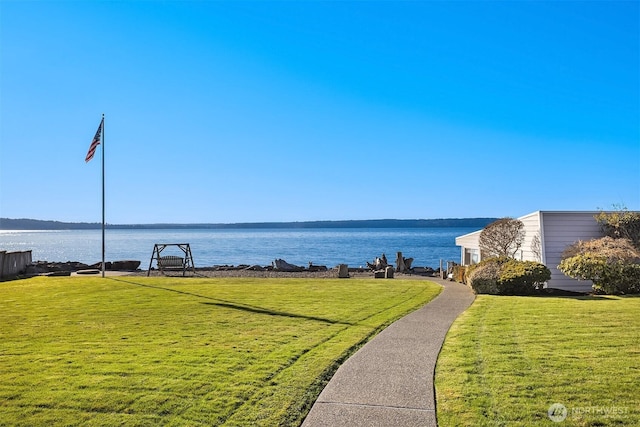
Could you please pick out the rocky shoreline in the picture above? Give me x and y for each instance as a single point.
(61, 268)
(131, 268)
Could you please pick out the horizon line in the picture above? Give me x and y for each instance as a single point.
(34, 222)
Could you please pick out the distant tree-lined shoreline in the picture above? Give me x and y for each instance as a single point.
(36, 224)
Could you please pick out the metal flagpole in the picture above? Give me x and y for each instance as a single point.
(103, 195)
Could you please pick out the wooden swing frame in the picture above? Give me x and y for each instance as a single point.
(172, 263)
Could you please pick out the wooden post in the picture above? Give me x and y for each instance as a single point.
(388, 272)
(343, 271)
(400, 267)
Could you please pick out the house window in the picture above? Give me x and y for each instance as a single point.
(471, 256)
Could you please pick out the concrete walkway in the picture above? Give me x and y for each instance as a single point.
(389, 381)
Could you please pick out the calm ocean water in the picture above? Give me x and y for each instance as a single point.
(329, 246)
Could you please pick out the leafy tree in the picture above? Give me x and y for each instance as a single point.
(536, 246)
(621, 224)
(502, 238)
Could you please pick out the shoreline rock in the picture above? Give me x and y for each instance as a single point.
(68, 267)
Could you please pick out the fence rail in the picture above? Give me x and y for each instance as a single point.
(12, 263)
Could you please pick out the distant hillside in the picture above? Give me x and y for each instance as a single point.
(35, 224)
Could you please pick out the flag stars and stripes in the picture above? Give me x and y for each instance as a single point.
(94, 143)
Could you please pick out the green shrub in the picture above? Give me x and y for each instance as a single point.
(622, 224)
(468, 273)
(505, 276)
(459, 272)
(613, 265)
(483, 277)
(622, 278)
(608, 276)
(522, 277)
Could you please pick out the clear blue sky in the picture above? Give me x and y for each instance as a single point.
(319, 110)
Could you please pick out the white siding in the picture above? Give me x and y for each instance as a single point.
(560, 229)
(557, 230)
(532, 228)
(468, 241)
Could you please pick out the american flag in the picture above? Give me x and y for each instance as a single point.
(94, 143)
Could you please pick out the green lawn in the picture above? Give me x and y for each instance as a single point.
(506, 360)
(175, 351)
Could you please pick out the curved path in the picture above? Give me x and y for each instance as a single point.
(389, 381)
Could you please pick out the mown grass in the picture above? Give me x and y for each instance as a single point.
(506, 360)
(174, 351)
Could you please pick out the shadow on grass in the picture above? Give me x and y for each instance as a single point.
(235, 306)
(258, 310)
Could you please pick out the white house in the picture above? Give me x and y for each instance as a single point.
(547, 234)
